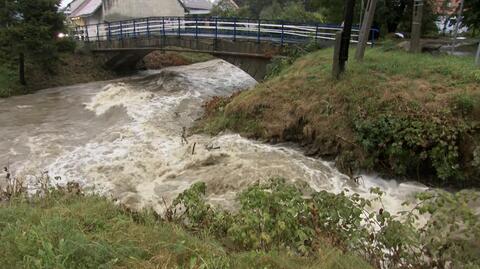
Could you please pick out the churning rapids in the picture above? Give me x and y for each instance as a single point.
(123, 139)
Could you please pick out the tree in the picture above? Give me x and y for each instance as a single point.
(27, 32)
(472, 14)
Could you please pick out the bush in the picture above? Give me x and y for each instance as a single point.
(65, 229)
(409, 144)
(277, 215)
(66, 45)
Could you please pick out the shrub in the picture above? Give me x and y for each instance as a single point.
(277, 215)
(409, 144)
(66, 45)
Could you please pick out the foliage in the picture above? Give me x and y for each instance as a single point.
(396, 15)
(8, 83)
(291, 11)
(66, 229)
(66, 45)
(286, 10)
(465, 103)
(272, 215)
(395, 113)
(277, 225)
(390, 15)
(277, 215)
(414, 142)
(472, 14)
(28, 28)
(291, 54)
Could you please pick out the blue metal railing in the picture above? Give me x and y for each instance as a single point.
(217, 28)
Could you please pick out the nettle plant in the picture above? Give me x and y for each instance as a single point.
(278, 215)
(413, 145)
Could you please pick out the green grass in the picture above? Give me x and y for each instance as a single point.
(438, 97)
(91, 232)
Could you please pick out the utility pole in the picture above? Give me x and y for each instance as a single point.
(415, 46)
(343, 44)
(477, 59)
(365, 29)
(457, 25)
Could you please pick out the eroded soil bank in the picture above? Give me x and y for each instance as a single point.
(403, 115)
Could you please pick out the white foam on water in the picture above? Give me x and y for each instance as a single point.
(141, 160)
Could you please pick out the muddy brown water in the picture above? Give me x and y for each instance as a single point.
(123, 139)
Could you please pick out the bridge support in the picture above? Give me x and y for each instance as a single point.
(250, 56)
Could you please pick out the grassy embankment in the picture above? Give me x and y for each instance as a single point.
(74, 68)
(397, 113)
(277, 225)
(70, 231)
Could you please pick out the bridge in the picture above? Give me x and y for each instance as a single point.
(249, 44)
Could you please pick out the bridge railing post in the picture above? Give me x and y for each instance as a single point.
(121, 32)
(109, 37)
(148, 27)
(134, 29)
(235, 29)
(316, 33)
(98, 33)
(178, 26)
(283, 33)
(163, 27)
(259, 25)
(196, 27)
(216, 34)
(86, 29)
(216, 31)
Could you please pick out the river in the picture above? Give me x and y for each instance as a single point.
(123, 139)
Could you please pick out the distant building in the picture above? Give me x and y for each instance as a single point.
(196, 7)
(87, 12)
(447, 11)
(446, 7)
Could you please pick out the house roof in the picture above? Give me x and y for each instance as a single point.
(87, 8)
(197, 4)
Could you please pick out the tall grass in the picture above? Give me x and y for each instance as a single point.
(401, 114)
(71, 231)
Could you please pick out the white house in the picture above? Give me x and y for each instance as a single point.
(85, 12)
(196, 7)
(88, 12)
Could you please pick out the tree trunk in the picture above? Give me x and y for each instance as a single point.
(21, 69)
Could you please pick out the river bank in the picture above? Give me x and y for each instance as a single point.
(403, 115)
(128, 140)
(83, 67)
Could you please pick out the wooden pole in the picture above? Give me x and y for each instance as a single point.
(365, 29)
(336, 56)
(477, 59)
(346, 33)
(415, 46)
(21, 68)
(457, 26)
